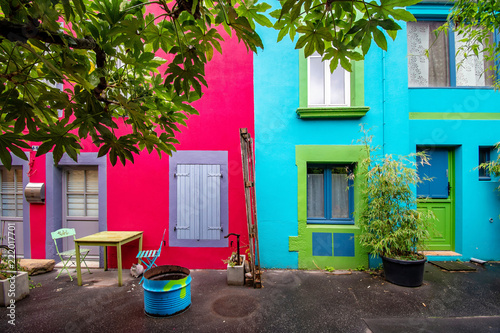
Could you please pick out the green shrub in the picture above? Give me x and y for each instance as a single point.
(390, 223)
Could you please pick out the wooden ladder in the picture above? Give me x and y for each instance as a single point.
(248, 164)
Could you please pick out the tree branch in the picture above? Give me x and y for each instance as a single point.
(22, 32)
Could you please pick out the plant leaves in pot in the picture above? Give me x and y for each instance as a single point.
(391, 226)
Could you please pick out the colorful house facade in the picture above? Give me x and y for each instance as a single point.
(307, 134)
(306, 126)
(197, 195)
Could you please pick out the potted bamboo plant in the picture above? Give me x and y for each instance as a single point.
(391, 226)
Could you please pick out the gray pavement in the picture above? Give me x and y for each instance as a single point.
(291, 301)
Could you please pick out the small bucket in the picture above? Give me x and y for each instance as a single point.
(167, 290)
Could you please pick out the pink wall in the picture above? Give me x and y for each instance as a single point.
(137, 194)
(37, 211)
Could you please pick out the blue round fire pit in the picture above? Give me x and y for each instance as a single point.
(167, 290)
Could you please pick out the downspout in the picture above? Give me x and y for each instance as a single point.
(383, 102)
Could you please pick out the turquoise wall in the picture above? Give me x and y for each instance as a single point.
(463, 119)
(278, 130)
(476, 201)
(400, 119)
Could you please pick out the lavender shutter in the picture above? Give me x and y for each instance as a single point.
(198, 201)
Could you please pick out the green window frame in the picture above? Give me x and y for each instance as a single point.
(356, 108)
(326, 155)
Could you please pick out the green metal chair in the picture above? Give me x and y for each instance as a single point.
(68, 232)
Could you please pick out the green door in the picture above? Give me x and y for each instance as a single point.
(439, 196)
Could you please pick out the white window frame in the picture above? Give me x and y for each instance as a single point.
(327, 83)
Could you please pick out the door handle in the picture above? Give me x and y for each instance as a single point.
(449, 189)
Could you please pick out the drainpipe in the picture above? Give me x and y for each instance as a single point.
(383, 102)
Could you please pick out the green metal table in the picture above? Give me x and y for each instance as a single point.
(107, 238)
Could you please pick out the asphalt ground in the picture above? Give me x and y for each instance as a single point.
(290, 301)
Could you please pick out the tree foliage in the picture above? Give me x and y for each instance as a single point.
(341, 31)
(104, 52)
(478, 22)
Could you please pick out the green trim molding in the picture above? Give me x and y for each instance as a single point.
(357, 108)
(303, 243)
(346, 112)
(454, 115)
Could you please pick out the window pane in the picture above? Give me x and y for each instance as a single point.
(316, 87)
(19, 181)
(19, 199)
(92, 181)
(8, 205)
(340, 194)
(431, 71)
(337, 86)
(92, 205)
(484, 157)
(315, 193)
(7, 181)
(472, 70)
(76, 205)
(76, 180)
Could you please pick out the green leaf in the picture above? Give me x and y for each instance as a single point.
(379, 38)
(80, 8)
(389, 24)
(68, 11)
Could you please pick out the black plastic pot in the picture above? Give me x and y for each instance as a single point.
(407, 273)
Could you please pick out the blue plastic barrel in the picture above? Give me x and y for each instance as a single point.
(167, 290)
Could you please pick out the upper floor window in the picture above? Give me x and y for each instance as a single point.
(434, 62)
(326, 88)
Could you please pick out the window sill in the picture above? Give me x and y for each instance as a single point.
(338, 112)
(331, 222)
(484, 179)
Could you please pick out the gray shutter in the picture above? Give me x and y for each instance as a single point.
(210, 202)
(198, 201)
(187, 201)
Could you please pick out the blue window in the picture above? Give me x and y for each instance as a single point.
(434, 62)
(330, 194)
(484, 157)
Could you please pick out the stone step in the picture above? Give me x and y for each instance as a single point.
(37, 266)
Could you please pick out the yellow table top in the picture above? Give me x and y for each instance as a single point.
(109, 236)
